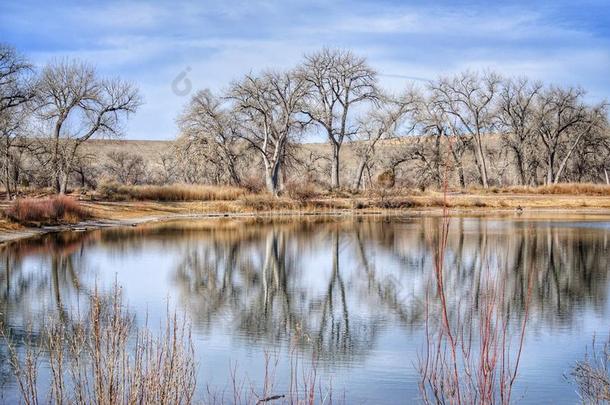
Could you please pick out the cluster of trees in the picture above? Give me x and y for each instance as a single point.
(470, 128)
(475, 127)
(47, 115)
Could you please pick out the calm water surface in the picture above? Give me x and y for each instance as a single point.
(355, 293)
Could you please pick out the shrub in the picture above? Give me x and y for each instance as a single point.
(48, 211)
(253, 185)
(396, 203)
(103, 357)
(592, 375)
(386, 179)
(265, 202)
(301, 191)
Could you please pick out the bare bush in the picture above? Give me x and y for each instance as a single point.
(49, 211)
(592, 375)
(104, 358)
(125, 167)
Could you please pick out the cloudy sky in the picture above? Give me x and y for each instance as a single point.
(213, 42)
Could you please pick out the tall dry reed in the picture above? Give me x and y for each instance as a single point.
(104, 358)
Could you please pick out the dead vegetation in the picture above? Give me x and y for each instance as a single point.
(573, 189)
(592, 375)
(47, 211)
(104, 357)
(173, 192)
(471, 356)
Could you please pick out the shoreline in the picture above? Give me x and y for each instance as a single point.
(528, 213)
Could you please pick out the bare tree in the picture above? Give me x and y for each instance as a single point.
(77, 105)
(267, 108)
(16, 90)
(589, 161)
(382, 122)
(125, 167)
(167, 167)
(438, 135)
(340, 81)
(470, 98)
(210, 126)
(563, 120)
(517, 118)
(85, 169)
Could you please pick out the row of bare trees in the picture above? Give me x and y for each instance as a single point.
(482, 127)
(49, 114)
(269, 113)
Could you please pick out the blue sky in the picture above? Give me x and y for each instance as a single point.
(214, 42)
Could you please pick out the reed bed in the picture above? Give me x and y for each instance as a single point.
(172, 192)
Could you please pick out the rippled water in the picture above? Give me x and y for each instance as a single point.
(354, 294)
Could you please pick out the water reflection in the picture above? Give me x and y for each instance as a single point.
(334, 287)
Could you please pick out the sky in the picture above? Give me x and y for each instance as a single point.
(172, 48)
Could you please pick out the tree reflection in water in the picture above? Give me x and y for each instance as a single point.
(331, 286)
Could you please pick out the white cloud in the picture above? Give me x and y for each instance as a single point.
(150, 43)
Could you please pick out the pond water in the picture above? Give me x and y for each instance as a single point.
(355, 298)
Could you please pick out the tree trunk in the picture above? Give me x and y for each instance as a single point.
(564, 162)
(481, 165)
(272, 177)
(56, 168)
(359, 174)
(460, 168)
(550, 175)
(334, 170)
(7, 174)
(64, 182)
(520, 167)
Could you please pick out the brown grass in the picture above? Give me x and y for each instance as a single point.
(173, 192)
(301, 191)
(46, 211)
(573, 189)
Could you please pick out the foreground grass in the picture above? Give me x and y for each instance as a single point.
(102, 356)
(591, 375)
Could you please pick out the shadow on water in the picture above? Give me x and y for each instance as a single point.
(336, 285)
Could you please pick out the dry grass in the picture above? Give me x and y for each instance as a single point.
(267, 202)
(173, 192)
(592, 375)
(572, 189)
(47, 211)
(301, 191)
(103, 358)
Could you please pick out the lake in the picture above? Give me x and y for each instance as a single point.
(362, 301)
